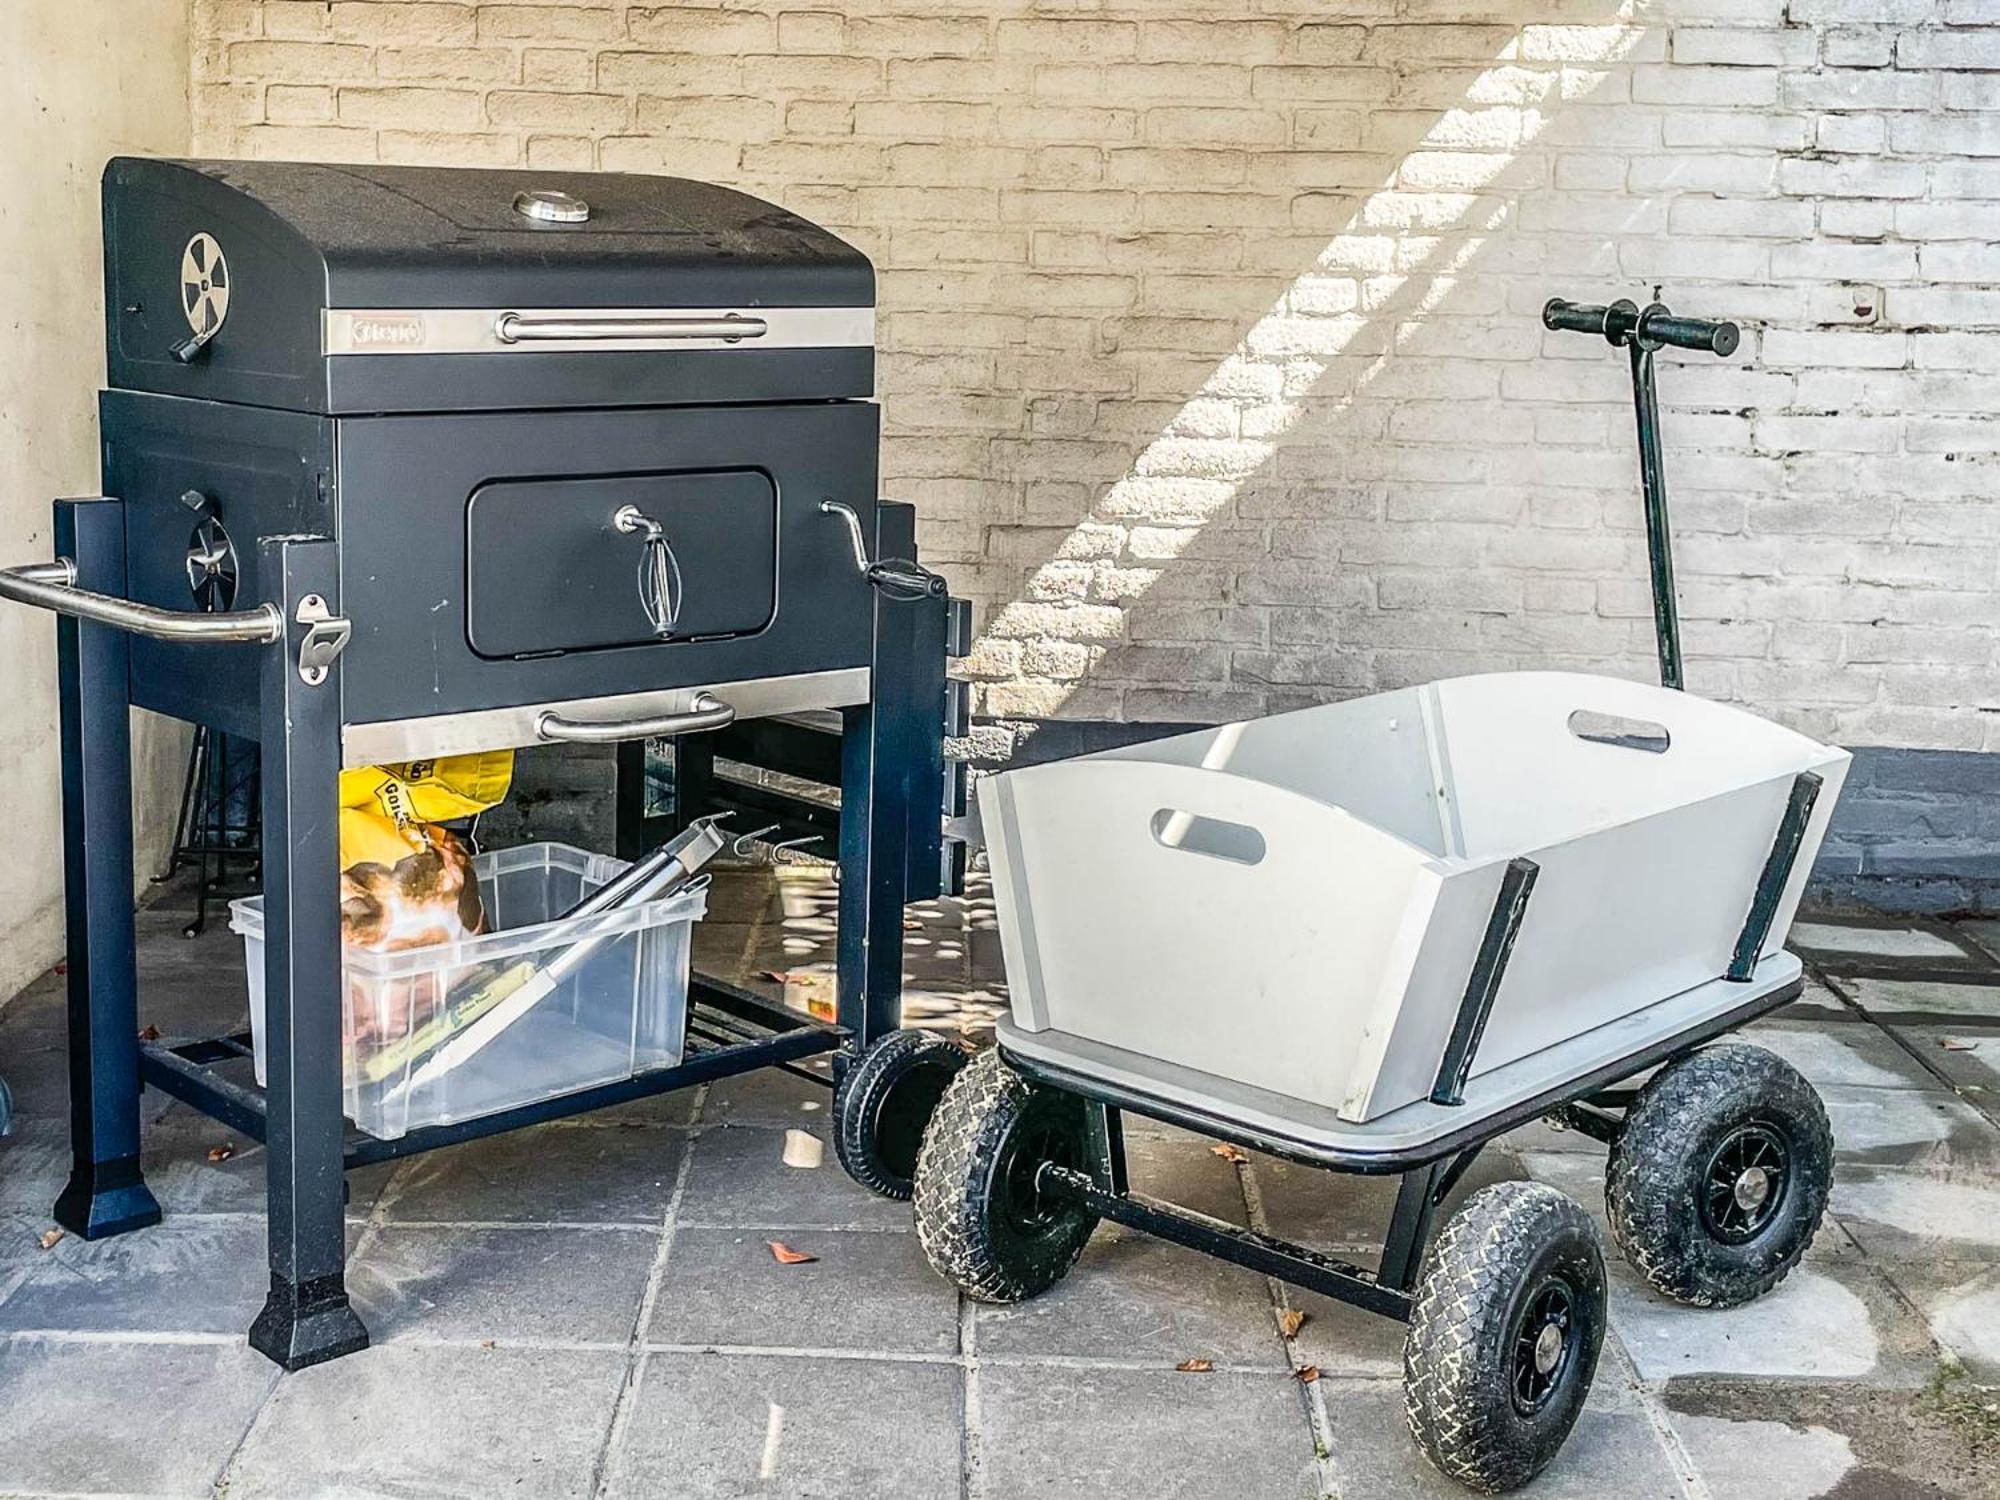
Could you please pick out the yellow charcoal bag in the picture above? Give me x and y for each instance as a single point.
(379, 805)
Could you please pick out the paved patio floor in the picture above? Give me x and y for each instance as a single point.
(591, 1308)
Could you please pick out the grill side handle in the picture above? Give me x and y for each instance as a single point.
(52, 586)
(707, 712)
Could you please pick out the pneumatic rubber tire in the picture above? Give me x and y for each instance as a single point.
(981, 1219)
(883, 1103)
(1503, 1341)
(1716, 1185)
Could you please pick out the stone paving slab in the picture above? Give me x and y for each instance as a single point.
(1609, 1456)
(1899, 1215)
(1902, 1448)
(1132, 1297)
(739, 1177)
(1898, 1002)
(806, 1429)
(868, 1290)
(545, 1174)
(434, 1420)
(508, 1284)
(1838, 940)
(1091, 1433)
(124, 1418)
(192, 1275)
(1858, 1056)
(1960, 1300)
(1756, 1460)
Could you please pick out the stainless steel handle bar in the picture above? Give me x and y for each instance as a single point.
(52, 586)
(513, 328)
(708, 712)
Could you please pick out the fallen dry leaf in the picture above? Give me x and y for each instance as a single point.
(785, 1255)
(222, 1152)
(1290, 1321)
(1195, 1366)
(50, 1237)
(1306, 1374)
(1230, 1153)
(149, 1033)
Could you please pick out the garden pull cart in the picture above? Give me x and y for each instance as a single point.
(1372, 936)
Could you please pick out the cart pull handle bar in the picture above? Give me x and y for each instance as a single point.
(1640, 331)
(707, 712)
(52, 586)
(1625, 322)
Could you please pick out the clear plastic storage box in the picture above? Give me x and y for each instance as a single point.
(436, 1034)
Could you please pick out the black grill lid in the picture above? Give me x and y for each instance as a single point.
(256, 254)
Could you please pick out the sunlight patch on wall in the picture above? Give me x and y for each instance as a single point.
(1434, 215)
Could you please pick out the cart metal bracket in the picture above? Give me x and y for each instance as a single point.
(1776, 875)
(1311, 1269)
(1489, 967)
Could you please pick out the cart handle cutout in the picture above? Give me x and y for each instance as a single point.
(1627, 734)
(1238, 843)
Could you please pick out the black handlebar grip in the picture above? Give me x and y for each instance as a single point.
(1705, 334)
(1573, 317)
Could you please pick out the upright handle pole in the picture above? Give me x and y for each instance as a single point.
(1659, 540)
(1642, 330)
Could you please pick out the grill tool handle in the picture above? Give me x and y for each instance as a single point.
(708, 712)
(52, 586)
(660, 585)
(514, 328)
(898, 577)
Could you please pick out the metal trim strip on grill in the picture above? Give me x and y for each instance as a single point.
(518, 725)
(543, 330)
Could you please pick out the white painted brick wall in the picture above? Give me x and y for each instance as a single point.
(1211, 350)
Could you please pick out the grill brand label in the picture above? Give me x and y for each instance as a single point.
(388, 333)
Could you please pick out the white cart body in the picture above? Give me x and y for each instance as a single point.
(1294, 904)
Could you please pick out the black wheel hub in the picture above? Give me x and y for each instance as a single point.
(1025, 1212)
(905, 1112)
(1746, 1182)
(1543, 1354)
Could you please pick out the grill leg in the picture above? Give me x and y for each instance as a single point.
(306, 1319)
(872, 821)
(106, 1194)
(890, 750)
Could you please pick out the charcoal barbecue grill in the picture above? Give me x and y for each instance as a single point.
(413, 462)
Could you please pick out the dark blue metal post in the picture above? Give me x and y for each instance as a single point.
(880, 746)
(306, 1319)
(106, 1194)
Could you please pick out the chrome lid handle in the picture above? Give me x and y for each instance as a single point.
(523, 328)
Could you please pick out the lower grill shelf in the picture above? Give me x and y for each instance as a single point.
(729, 1031)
